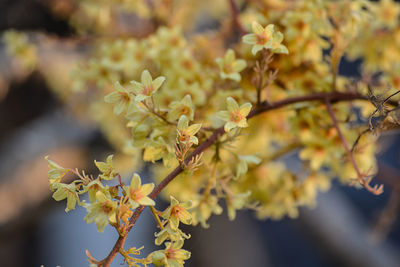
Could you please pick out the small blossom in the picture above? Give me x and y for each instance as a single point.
(183, 107)
(265, 38)
(92, 188)
(260, 38)
(137, 192)
(170, 233)
(155, 150)
(230, 67)
(107, 168)
(147, 87)
(171, 256)
(56, 172)
(102, 211)
(277, 47)
(66, 191)
(177, 212)
(120, 98)
(235, 116)
(185, 132)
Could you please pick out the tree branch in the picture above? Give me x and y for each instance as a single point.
(264, 107)
(235, 17)
(362, 178)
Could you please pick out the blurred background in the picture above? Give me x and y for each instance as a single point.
(348, 227)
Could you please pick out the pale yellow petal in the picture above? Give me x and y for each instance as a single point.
(146, 78)
(232, 105)
(257, 28)
(250, 38)
(135, 182)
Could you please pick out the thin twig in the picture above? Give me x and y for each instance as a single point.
(376, 190)
(153, 210)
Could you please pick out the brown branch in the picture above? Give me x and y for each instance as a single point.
(362, 178)
(235, 17)
(264, 107)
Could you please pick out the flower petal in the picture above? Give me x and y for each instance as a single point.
(243, 123)
(147, 188)
(158, 82)
(135, 182)
(245, 109)
(239, 65)
(146, 201)
(220, 62)
(234, 76)
(193, 129)
(119, 107)
(229, 56)
(224, 115)
(257, 28)
(256, 49)
(119, 87)
(141, 97)
(112, 97)
(146, 78)
(137, 87)
(269, 30)
(229, 126)
(232, 105)
(281, 49)
(278, 37)
(183, 123)
(250, 38)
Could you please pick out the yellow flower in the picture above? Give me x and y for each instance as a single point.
(173, 234)
(185, 132)
(183, 107)
(235, 116)
(230, 67)
(120, 98)
(177, 212)
(107, 168)
(265, 38)
(102, 211)
(277, 47)
(56, 172)
(66, 191)
(260, 38)
(171, 256)
(92, 188)
(137, 192)
(147, 87)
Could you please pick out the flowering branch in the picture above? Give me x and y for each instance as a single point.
(263, 107)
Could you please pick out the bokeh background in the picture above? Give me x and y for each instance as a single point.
(348, 227)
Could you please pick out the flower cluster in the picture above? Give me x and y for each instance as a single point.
(196, 102)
